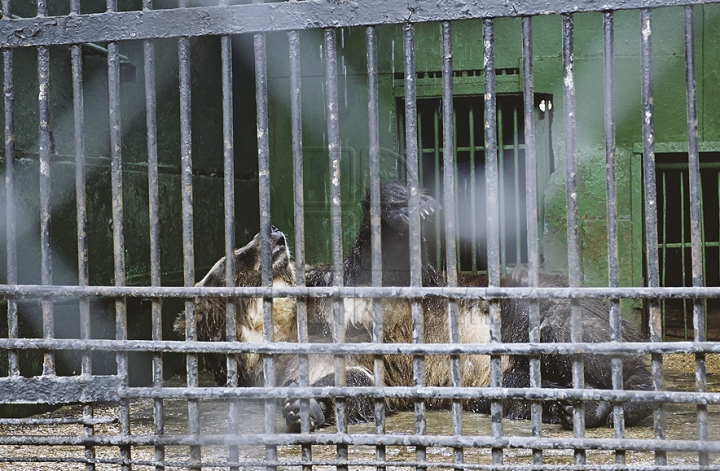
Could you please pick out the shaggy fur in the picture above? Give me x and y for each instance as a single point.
(211, 313)
(556, 370)
(397, 328)
(397, 318)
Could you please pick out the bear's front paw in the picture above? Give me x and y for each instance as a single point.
(597, 413)
(291, 413)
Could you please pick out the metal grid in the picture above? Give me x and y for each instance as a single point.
(185, 22)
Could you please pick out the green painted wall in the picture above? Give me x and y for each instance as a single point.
(207, 149)
(669, 99)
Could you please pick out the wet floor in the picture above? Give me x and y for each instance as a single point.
(681, 424)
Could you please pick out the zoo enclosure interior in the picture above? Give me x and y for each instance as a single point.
(184, 137)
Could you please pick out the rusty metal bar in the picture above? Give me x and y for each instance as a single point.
(493, 292)
(468, 441)
(573, 242)
(283, 16)
(44, 150)
(226, 57)
(299, 221)
(375, 222)
(121, 327)
(335, 175)
(10, 196)
(531, 208)
(492, 196)
(612, 216)
(413, 183)
(154, 224)
(699, 310)
(81, 215)
(263, 141)
(370, 348)
(449, 204)
(651, 237)
(186, 171)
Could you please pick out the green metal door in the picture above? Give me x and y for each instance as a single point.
(674, 238)
(469, 160)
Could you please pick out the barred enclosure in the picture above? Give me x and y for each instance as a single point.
(487, 235)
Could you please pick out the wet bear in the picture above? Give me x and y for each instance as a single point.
(211, 318)
(556, 370)
(397, 318)
(473, 321)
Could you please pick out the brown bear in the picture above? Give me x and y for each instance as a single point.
(211, 319)
(473, 322)
(397, 328)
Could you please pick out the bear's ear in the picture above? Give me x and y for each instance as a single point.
(247, 259)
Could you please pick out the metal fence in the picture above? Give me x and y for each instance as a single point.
(119, 425)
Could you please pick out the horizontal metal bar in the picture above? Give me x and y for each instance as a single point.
(60, 421)
(174, 346)
(475, 441)
(283, 16)
(91, 47)
(59, 389)
(364, 292)
(353, 463)
(423, 392)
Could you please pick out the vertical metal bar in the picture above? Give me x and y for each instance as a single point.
(473, 191)
(81, 217)
(375, 221)
(531, 208)
(226, 57)
(612, 217)
(501, 182)
(411, 144)
(664, 247)
(435, 141)
(516, 187)
(333, 129)
(10, 211)
(699, 313)
(302, 320)
(261, 93)
(651, 236)
(682, 245)
(45, 211)
(573, 221)
(121, 358)
(186, 167)
(492, 196)
(438, 179)
(154, 219)
(458, 245)
(450, 221)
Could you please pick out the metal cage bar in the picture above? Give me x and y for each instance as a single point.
(699, 312)
(651, 239)
(375, 222)
(492, 189)
(578, 366)
(612, 216)
(10, 213)
(448, 165)
(154, 224)
(531, 202)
